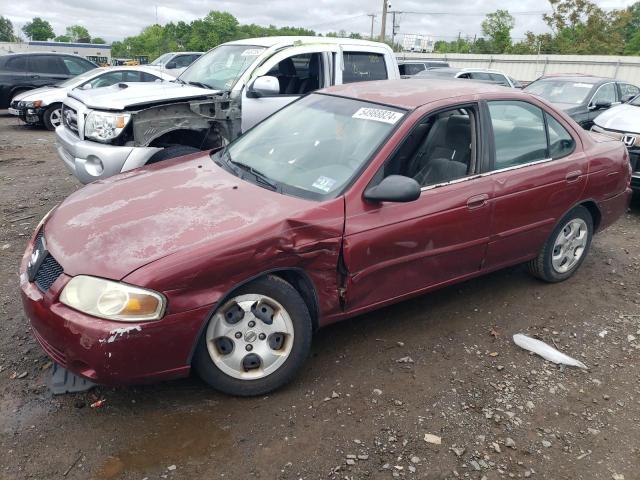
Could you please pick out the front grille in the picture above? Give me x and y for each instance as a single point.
(70, 118)
(634, 156)
(49, 270)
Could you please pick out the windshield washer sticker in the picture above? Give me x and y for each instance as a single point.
(324, 183)
(251, 52)
(378, 114)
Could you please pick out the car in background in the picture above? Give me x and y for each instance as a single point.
(350, 199)
(44, 105)
(480, 74)
(409, 68)
(20, 72)
(582, 97)
(218, 97)
(175, 60)
(622, 122)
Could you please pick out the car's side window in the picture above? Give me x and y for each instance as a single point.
(182, 61)
(561, 143)
(441, 148)
(299, 74)
(74, 66)
(413, 68)
(501, 79)
(606, 93)
(480, 76)
(147, 77)
(363, 66)
(17, 64)
(106, 80)
(628, 90)
(47, 64)
(518, 132)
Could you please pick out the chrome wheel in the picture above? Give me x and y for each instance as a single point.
(250, 337)
(570, 245)
(56, 117)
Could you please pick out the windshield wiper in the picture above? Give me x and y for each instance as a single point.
(201, 85)
(238, 167)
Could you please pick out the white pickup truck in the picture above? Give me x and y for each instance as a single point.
(219, 96)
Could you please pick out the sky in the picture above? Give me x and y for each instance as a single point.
(116, 19)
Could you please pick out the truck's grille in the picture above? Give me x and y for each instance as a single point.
(70, 118)
(49, 270)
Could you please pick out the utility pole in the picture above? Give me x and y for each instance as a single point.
(384, 20)
(393, 29)
(373, 16)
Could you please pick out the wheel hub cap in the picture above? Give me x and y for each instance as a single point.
(570, 245)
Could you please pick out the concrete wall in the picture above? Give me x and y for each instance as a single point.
(82, 49)
(530, 67)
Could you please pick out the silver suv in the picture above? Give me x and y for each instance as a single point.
(219, 96)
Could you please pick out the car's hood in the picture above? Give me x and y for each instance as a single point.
(42, 93)
(112, 227)
(119, 97)
(624, 118)
(569, 108)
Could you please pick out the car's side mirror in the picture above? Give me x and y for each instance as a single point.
(86, 86)
(627, 98)
(171, 65)
(601, 105)
(263, 87)
(394, 188)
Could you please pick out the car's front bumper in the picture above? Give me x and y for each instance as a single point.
(90, 161)
(108, 352)
(27, 114)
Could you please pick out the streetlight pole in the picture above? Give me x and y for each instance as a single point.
(373, 16)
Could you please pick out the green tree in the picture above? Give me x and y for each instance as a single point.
(63, 38)
(38, 29)
(497, 26)
(6, 30)
(98, 40)
(78, 33)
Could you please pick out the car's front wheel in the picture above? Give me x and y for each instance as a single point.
(257, 340)
(566, 247)
(52, 117)
(172, 151)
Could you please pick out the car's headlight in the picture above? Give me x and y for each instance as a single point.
(105, 126)
(33, 104)
(112, 300)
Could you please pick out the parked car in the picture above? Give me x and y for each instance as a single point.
(44, 105)
(20, 72)
(583, 97)
(481, 74)
(224, 93)
(174, 60)
(409, 68)
(345, 201)
(622, 123)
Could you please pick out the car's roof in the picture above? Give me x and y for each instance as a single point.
(576, 78)
(411, 94)
(14, 54)
(304, 40)
(190, 53)
(408, 60)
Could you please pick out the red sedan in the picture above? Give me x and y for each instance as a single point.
(347, 200)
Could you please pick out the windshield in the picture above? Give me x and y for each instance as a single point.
(221, 67)
(561, 91)
(635, 101)
(436, 73)
(79, 78)
(315, 146)
(162, 59)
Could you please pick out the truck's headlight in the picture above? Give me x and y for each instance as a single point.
(105, 126)
(112, 300)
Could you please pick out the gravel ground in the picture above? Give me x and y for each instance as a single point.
(432, 388)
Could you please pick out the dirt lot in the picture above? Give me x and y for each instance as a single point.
(356, 411)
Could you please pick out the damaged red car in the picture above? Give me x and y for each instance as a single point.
(347, 200)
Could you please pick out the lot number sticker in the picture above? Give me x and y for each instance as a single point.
(324, 183)
(378, 115)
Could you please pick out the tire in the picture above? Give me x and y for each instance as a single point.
(573, 234)
(171, 151)
(274, 357)
(52, 116)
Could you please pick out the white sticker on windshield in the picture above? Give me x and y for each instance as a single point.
(251, 52)
(378, 114)
(582, 85)
(324, 183)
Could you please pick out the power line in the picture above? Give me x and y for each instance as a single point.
(467, 14)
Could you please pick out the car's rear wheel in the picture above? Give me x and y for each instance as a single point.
(52, 117)
(566, 247)
(172, 151)
(256, 340)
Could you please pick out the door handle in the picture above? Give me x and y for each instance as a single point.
(35, 76)
(477, 201)
(573, 176)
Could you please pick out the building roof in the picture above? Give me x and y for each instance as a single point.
(413, 93)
